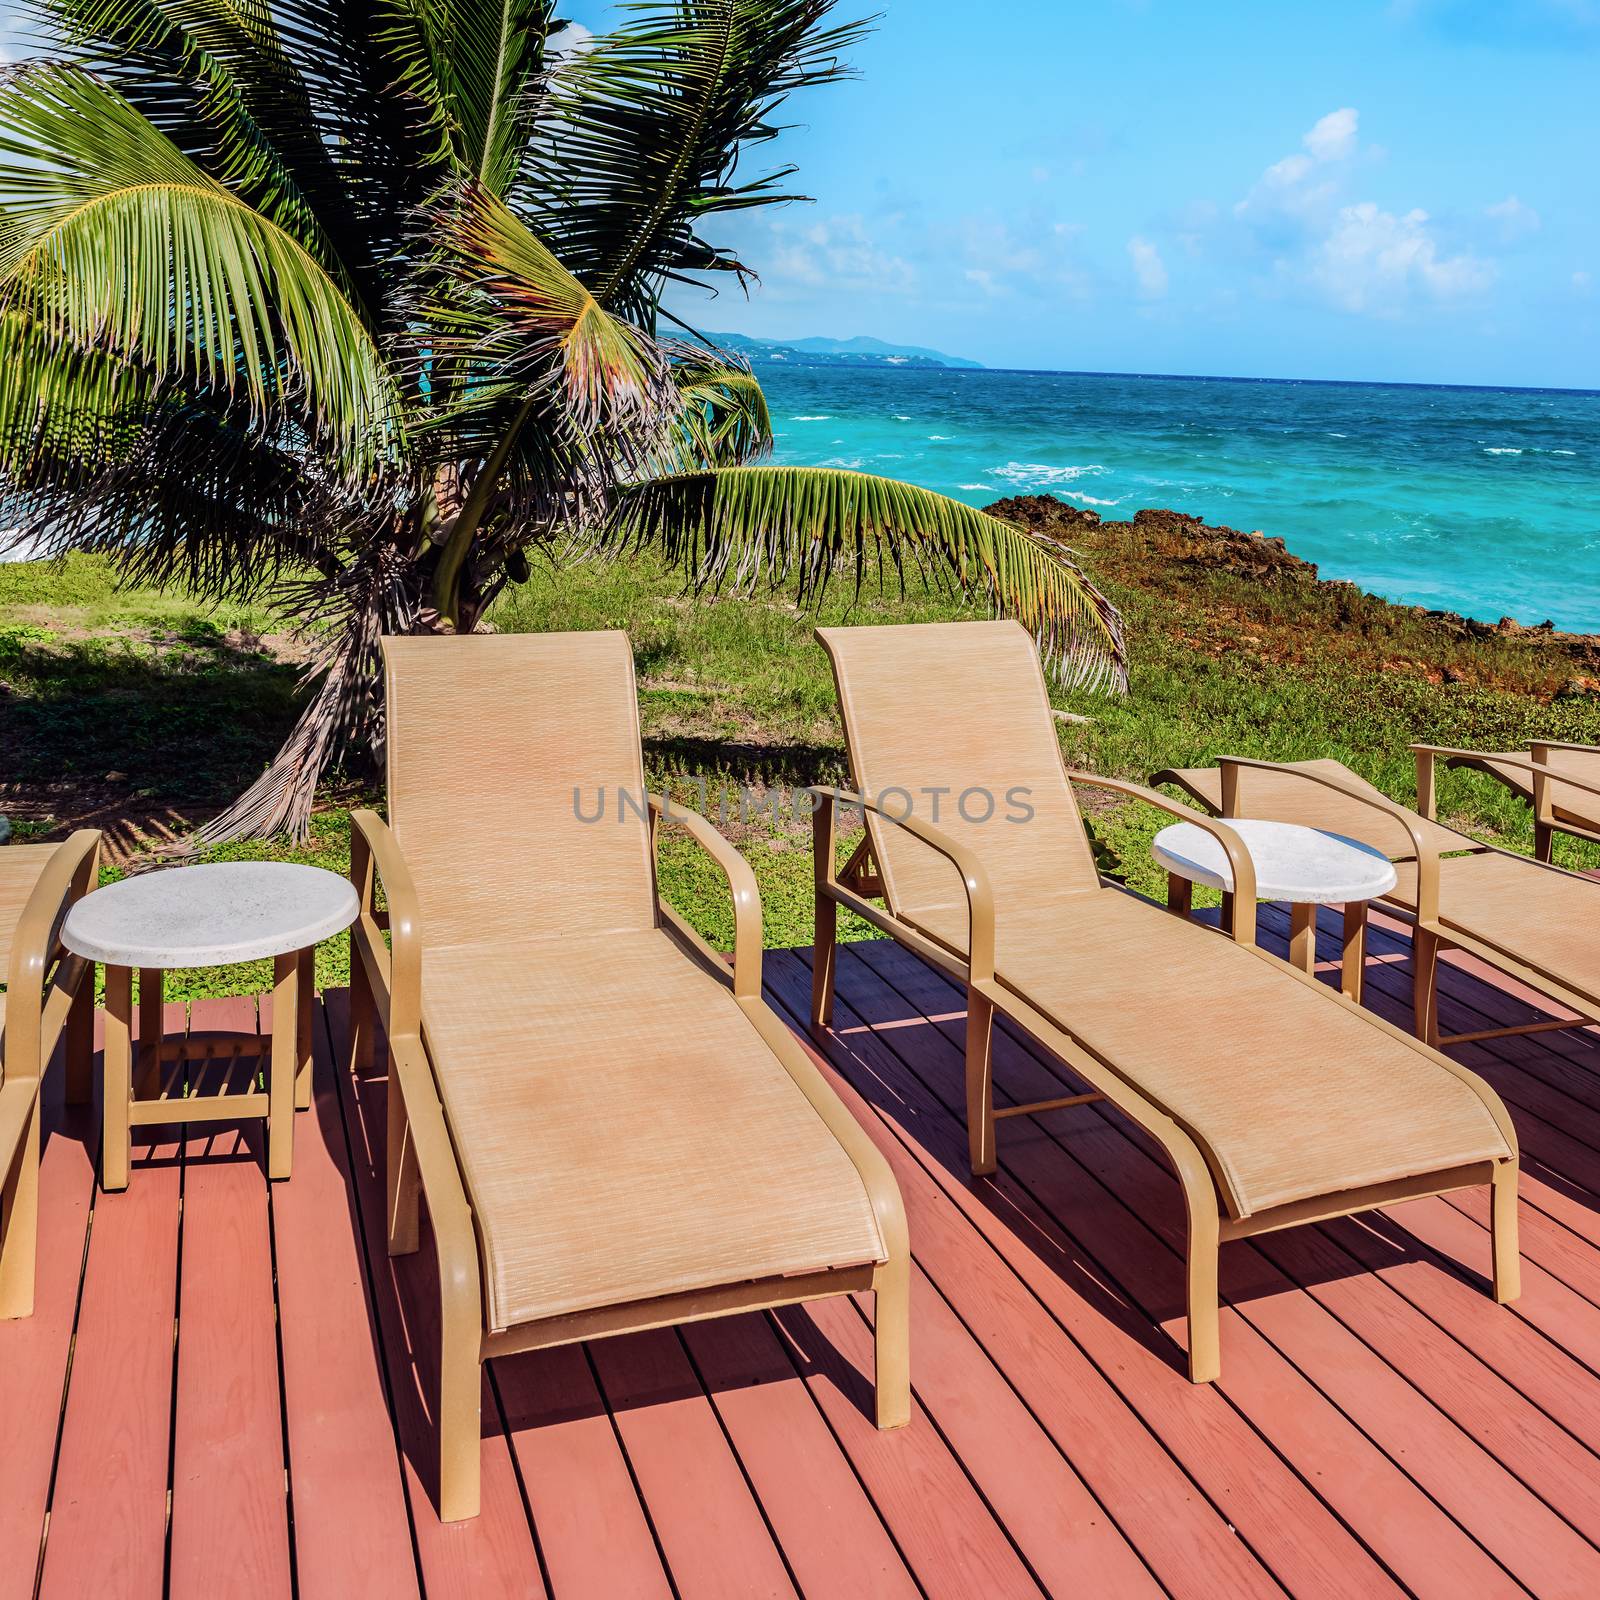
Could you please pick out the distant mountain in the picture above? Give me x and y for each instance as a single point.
(861, 351)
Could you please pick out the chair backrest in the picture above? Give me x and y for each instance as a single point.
(516, 784)
(1278, 796)
(956, 714)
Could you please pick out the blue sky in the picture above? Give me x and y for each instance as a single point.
(1388, 189)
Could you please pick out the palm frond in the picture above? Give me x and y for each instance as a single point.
(471, 67)
(725, 420)
(110, 236)
(742, 524)
(502, 317)
(642, 134)
(230, 82)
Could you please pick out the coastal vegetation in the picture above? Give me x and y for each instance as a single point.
(353, 313)
(140, 711)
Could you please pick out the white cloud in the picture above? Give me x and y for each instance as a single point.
(572, 40)
(1333, 137)
(1148, 268)
(1372, 260)
(839, 252)
(1513, 217)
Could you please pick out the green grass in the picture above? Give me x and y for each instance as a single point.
(188, 701)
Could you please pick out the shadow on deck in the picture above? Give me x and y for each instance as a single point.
(219, 1394)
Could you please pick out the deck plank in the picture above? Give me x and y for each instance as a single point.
(494, 1553)
(1084, 1173)
(712, 1532)
(1236, 1479)
(822, 1518)
(592, 1528)
(108, 1515)
(352, 1532)
(33, 1367)
(230, 1528)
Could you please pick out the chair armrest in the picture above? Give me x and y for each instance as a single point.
(375, 857)
(36, 949)
(742, 888)
(1541, 773)
(974, 879)
(1424, 851)
(1240, 864)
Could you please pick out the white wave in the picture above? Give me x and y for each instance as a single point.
(1330, 434)
(1501, 450)
(987, 488)
(1563, 452)
(821, 417)
(1037, 475)
(939, 438)
(1089, 499)
(898, 418)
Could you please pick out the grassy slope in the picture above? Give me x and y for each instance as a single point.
(187, 702)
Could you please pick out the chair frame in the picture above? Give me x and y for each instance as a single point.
(386, 984)
(50, 996)
(1547, 820)
(1211, 1220)
(1433, 932)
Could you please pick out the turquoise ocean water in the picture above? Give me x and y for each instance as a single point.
(1482, 501)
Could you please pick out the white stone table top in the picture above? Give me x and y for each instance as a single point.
(1291, 862)
(209, 916)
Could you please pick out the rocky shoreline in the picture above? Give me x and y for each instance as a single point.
(1157, 542)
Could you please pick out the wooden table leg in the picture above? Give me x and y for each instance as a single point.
(281, 1072)
(114, 1135)
(151, 1029)
(1303, 936)
(1180, 895)
(80, 1044)
(302, 1039)
(1352, 968)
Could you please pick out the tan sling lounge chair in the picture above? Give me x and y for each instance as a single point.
(1532, 920)
(1561, 808)
(49, 992)
(612, 1131)
(1276, 1100)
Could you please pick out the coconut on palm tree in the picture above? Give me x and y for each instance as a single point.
(358, 302)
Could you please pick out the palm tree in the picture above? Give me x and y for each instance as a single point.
(358, 303)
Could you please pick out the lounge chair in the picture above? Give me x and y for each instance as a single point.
(1533, 921)
(1276, 1100)
(1561, 807)
(50, 992)
(611, 1129)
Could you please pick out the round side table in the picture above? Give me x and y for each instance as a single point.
(208, 916)
(1304, 866)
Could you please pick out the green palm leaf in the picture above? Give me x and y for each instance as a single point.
(506, 319)
(471, 67)
(111, 236)
(642, 133)
(741, 524)
(725, 420)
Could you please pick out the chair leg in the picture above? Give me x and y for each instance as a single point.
(824, 954)
(80, 1044)
(1425, 985)
(19, 1223)
(460, 1425)
(115, 1140)
(1205, 1337)
(1544, 842)
(404, 1182)
(980, 1083)
(892, 1342)
(1503, 1220)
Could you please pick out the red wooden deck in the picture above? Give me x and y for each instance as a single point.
(218, 1394)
